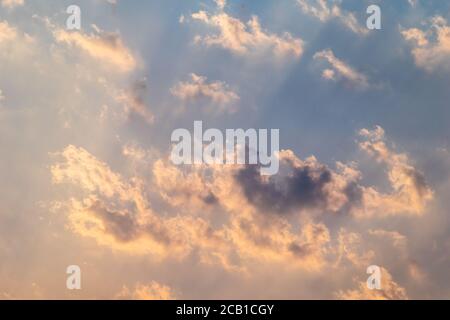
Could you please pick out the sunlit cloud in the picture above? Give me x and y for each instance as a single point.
(340, 70)
(10, 4)
(245, 38)
(152, 291)
(390, 290)
(100, 45)
(430, 47)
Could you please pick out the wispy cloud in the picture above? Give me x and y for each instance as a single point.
(198, 88)
(339, 70)
(325, 10)
(101, 45)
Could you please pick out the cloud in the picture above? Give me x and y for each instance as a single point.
(430, 47)
(119, 214)
(83, 169)
(249, 38)
(415, 35)
(126, 212)
(325, 10)
(340, 70)
(311, 186)
(199, 88)
(398, 240)
(304, 188)
(221, 4)
(11, 4)
(134, 102)
(352, 250)
(7, 32)
(101, 45)
(152, 291)
(390, 290)
(411, 192)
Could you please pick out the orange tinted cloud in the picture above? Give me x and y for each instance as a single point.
(430, 47)
(390, 290)
(104, 46)
(245, 38)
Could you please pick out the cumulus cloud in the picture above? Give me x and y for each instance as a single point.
(118, 215)
(10, 4)
(101, 45)
(341, 70)
(255, 227)
(411, 192)
(390, 290)
(430, 47)
(152, 291)
(325, 10)
(245, 38)
(199, 88)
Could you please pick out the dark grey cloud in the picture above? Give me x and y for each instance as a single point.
(123, 226)
(304, 188)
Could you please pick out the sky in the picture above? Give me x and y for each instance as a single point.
(86, 118)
